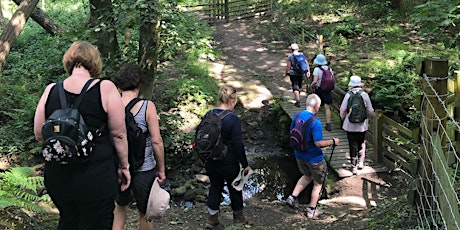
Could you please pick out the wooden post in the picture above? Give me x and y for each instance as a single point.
(320, 44)
(377, 137)
(226, 11)
(434, 86)
(457, 109)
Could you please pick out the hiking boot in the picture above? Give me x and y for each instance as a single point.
(297, 104)
(292, 202)
(354, 170)
(239, 218)
(313, 213)
(360, 165)
(328, 126)
(213, 221)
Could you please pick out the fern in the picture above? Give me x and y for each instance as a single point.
(18, 187)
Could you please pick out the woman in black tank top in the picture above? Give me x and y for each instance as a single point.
(84, 193)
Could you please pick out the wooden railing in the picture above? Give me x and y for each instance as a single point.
(393, 144)
(216, 10)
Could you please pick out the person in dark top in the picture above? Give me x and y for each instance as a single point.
(226, 170)
(129, 80)
(84, 193)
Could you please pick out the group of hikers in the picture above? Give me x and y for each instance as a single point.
(88, 175)
(355, 109)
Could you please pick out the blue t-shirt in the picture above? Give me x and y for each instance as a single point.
(313, 154)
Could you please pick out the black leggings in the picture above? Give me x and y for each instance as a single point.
(355, 143)
(220, 172)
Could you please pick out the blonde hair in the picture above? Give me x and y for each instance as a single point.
(226, 94)
(83, 53)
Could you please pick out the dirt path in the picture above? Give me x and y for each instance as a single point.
(256, 70)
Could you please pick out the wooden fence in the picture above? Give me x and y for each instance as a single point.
(429, 154)
(213, 11)
(393, 144)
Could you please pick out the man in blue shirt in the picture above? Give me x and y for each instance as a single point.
(311, 163)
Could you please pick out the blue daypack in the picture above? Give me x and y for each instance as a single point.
(299, 64)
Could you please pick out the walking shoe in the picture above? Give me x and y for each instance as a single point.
(313, 213)
(297, 104)
(239, 218)
(360, 165)
(328, 127)
(354, 170)
(292, 202)
(213, 221)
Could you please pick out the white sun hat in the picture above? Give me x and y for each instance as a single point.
(355, 81)
(294, 46)
(158, 202)
(241, 179)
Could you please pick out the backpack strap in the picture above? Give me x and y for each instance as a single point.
(82, 93)
(308, 122)
(62, 97)
(131, 103)
(223, 114)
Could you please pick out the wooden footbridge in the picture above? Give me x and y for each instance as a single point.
(340, 160)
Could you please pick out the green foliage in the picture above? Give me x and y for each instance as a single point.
(184, 34)
(395, 85)
(19, 187)
(440, 17)
(396, 213)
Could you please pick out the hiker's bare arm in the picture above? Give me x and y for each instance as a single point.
(325, 143)
(308, 66)
(39, 117)
(313, 83)
(112, 104)
(157, 140)
(288, 67)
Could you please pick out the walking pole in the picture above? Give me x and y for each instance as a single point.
(325, 176)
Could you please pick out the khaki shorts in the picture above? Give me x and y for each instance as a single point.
(316, 170)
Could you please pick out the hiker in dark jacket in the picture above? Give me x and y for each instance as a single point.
(311, 163)
(226, 170)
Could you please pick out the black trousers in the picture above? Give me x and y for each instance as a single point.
(220, 172)
(355, 143)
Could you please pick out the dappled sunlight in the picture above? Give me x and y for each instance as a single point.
(353, 202)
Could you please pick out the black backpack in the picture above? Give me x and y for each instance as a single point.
(208, 143)
(67, 139)
(297, 139)
(356, 107)
(136, 138)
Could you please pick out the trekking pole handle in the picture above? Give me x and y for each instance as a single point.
(333, 142)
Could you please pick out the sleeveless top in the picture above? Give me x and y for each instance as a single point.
(140, 118)
(95, 179)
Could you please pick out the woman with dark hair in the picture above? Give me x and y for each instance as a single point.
(129, 80)
(84, 192)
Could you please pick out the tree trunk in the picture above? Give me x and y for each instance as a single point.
(103, 26)
(44, 20)
(2, 18)
(14, 28)
(149, 37)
